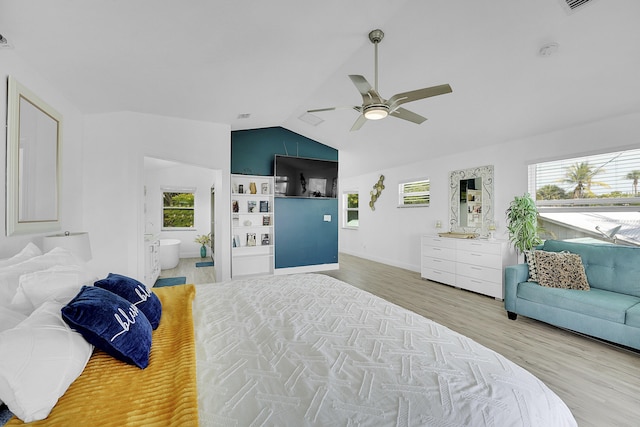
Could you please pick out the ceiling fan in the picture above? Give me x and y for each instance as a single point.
(374, 107)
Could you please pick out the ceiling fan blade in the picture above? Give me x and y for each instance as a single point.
(369, 94)
(359, 122)
(403, 113)
(414, 95)
(342, 107)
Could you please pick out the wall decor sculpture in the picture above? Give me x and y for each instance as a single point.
(375, 193)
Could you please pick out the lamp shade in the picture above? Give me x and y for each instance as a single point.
(77, 243)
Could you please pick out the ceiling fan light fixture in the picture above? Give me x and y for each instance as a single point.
(376, 112)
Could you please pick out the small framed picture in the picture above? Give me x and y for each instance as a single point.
(265, 188)
(266, 240)
(251, 206)
(251, 239)
(236, 206)
(266, 220)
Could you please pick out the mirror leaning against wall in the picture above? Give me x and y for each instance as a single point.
(34, 136)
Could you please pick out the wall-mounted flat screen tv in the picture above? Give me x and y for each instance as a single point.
(305, 177)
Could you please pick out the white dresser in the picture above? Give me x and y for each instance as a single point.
(473, 264)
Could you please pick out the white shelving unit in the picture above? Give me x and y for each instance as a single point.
(252, 237)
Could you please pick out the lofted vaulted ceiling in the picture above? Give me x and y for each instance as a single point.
(214, 60)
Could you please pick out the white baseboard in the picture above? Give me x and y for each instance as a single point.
(306, 269)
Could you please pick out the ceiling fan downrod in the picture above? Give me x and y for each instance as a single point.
(376, 37)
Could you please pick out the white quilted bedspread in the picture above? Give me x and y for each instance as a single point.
(309, 350)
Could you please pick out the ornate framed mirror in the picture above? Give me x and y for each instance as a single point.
(471, 200)
(34, 135)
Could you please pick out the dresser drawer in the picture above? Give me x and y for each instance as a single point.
(442, 242)
(439, 276)
(440, 253)
(481, 286)
(480, 258)
(439, 264)
(480, 272)
(480, 246)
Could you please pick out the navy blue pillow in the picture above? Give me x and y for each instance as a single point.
(111, 323)
(136, 293)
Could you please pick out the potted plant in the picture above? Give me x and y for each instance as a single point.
(204, 240)
(522, 223)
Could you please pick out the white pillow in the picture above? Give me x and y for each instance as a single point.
(10, 276)
(28, 252)
(60, 283)
(10, 318)
(39, 359)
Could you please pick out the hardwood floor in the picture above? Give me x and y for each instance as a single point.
(598, 381)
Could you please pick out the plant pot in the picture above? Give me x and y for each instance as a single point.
(203, 251)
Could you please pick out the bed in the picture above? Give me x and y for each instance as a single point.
(310, 350)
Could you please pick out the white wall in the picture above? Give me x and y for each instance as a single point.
(115, 147)
(392, 235)
(180, 176)
(71, 202)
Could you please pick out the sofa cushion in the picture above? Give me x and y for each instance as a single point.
(609, 267)
(560, 270)
(633, 316)
(598, 303)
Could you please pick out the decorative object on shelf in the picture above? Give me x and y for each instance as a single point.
(264, 206)
(251, 206)
(252, 188)
(247, 223)
(203, 239)
(455, 235)
(266, 220)
(303, 183)
(376, 192)
(241, 189)
(236, 241)
(251, 239)
(236, 206)
(522, 223)
(264, 187)
(266, 239)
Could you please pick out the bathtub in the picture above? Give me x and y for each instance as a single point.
(169, 253)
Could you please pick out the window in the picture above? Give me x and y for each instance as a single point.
(594, 196)
(350, 203)
(414, 193)
(178, 209)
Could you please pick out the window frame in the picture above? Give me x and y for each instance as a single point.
(164, 191)
(403, 194)
(346, 209)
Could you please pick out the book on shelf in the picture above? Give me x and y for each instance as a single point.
(251, 239)
(251, 206)
(266, 239)
(236, 241)
(264, 206)
(266, 220)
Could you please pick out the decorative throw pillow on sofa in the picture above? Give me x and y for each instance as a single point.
(136, 293)
(561, 270)
(111, 323)
(529, 256)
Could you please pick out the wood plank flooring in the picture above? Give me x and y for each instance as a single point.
(187, 268)
(598, 381)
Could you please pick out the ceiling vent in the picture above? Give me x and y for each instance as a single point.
(572, 6)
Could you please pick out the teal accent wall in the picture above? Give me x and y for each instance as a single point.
(302, 237)
(252, 151)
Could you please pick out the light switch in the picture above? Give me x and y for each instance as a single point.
(327, 218)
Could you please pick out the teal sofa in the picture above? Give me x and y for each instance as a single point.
(610, 310)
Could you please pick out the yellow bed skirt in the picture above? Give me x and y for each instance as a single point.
(112, 393)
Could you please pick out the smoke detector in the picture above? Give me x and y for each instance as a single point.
(548, 49)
